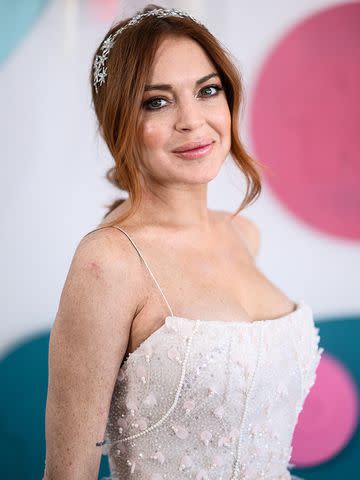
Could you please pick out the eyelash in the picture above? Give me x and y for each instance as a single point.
(147, 103)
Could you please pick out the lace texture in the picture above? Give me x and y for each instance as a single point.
(212, 400)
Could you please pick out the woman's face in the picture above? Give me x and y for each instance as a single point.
(183, 103)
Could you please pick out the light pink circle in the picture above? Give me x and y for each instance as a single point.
(103, 10)
(329, 417)
(305, 120)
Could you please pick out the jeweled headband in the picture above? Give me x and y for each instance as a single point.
(99, 63)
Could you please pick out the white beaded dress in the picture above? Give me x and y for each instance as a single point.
(212, 400)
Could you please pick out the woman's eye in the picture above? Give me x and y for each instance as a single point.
(217, 88)
(154, 103)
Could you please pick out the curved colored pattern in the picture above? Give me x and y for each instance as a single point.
(305, 116)
(338, 456)
(23, 380)
(16, 18)
(104, 10)
(329, 417)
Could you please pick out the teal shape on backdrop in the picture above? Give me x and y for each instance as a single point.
(24, 381)
(16, 19)
(339, 336)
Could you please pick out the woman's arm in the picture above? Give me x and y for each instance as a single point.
(87, 344)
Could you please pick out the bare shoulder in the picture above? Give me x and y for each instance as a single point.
(103, 251)
(104, 267)
(248, 229)
(113, 249)
(250, 232)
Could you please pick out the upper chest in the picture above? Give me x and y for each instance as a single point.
(222, 282)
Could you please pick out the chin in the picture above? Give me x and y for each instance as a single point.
(205, 175)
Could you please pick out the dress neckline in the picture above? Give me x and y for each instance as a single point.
(301, 306)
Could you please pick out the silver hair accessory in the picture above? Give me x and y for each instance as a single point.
(100, 70)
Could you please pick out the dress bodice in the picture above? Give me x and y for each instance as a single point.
(212, 400)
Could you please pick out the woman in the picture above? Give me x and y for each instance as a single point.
(207, 381)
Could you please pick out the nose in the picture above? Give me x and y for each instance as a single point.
(189, 115)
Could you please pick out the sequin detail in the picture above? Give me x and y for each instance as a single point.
(222, 405)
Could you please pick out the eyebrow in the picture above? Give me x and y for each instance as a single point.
(166, 86)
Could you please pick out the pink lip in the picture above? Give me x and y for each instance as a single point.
(194, 150)
(198, 152)
(192, 145)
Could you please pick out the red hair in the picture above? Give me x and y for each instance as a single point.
(118, 101)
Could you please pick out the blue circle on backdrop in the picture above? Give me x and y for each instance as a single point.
(24, 382)
(339, 336)
(16, 19)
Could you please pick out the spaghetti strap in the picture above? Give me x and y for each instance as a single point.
(142, 258)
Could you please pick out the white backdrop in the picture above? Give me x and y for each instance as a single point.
(53, 165)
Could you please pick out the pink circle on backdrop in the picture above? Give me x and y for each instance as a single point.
(305, 120)
(329, 417)
(104, 10)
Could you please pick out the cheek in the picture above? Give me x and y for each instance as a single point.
(152, 134)
(223, 121)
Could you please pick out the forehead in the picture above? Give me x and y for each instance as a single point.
(179, 58)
